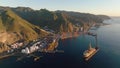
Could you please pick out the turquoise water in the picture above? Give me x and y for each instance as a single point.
(107, 57)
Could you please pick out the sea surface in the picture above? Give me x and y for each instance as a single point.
(107, 57)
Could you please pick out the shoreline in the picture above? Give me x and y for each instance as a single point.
(6, 56)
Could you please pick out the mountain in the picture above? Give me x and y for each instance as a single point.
(55, 20)
(103, 17)
(59, 21)
(13, 28)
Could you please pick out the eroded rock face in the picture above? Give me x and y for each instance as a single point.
(8, 37)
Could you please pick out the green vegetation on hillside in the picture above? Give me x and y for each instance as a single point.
(55, 20)
(17, 28)
(20, 21)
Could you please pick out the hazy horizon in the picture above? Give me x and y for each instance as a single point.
(98, 7)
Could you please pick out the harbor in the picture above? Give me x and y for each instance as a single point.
(47, 44)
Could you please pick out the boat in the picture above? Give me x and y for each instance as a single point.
(93, 34)
(90, 52)
(36, 58)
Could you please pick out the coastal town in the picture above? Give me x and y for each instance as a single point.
(47, 44)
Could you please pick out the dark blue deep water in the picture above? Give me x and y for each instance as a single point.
(107, 57)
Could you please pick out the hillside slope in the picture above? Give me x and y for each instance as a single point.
(13, 28)
(57, 19)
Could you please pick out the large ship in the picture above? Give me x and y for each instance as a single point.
(90, 52)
